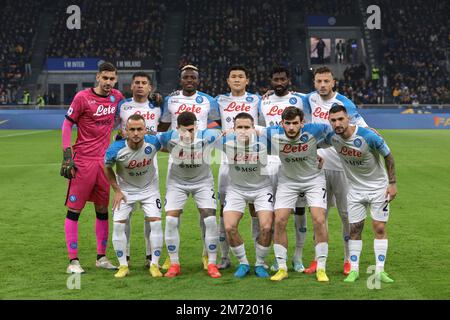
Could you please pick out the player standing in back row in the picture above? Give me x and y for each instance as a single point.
(230, 105)
(93, 110)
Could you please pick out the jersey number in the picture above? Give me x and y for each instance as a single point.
(270, 197)
(158, 203)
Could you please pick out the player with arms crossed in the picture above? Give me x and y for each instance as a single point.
(231, 104)
(246, 156)
(271, 107)
(190, 173)
(202, 105)
(137, 181)
(141, 87)
(359, 150)
(93, 110)
(317, 105)
(296, 144)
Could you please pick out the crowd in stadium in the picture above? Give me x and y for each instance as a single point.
(18, 21)
(412, 56)
(108, 32)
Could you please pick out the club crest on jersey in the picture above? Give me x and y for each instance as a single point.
(199, 99)
(148, 150)
(73, 198)
(304, 138)
(357, 142)
(249, 99)
(112, 98)
(293, 100)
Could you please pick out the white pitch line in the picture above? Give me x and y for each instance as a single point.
(23, 133)
(28, 165)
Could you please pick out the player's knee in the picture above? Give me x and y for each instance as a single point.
(171, 223)
(101, 215)
(231, 229)
(266, 229)
(73, 215)
(319, 220)
(281, 222)
(380, 230)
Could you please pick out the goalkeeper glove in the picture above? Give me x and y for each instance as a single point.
(68, 167)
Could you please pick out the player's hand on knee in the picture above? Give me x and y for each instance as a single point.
(68, 167)
(118, 197)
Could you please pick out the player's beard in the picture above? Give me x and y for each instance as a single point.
(292, 135)
(281, 90)
(339, 130)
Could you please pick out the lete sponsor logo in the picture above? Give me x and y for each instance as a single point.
(275, 111)
(350, 152)
(103, 111)
(293, 148)
(234, 107)
(321, 114)
(139, 164)
(193, 108)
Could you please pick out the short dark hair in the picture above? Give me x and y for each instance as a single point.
(280, 69)
(236, 68)
(244, 115)
(291, 112)
(335, 108)
(107, 66)
(143, 75)
(186, 119)
(322, 70)
(136, 117)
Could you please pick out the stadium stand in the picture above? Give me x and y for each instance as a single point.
(109, 33)
(18, 21)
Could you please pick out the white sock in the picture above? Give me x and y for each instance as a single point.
(280, 255)
(355, 248)
(380, 247)
(261, 253)
(120, 242)
(255, 229)
(211, 238)
(203, 230)
(147, 231)
(240, 254)
(172, 237)
(300, 236)
(156, 240)
(128, 235)
(223, 241)
(345, 233)
(322, 254)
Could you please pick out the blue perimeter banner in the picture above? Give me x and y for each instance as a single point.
(84, 64)
(379, 119)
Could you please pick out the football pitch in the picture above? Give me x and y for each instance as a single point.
(33, 256)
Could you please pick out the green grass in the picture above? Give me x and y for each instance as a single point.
(33, 255)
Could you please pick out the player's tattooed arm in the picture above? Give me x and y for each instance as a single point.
(391, 191)
(118, 195)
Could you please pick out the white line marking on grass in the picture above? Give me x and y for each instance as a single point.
(29, 165)
(23, 133)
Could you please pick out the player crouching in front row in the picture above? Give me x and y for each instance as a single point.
(136, 182)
